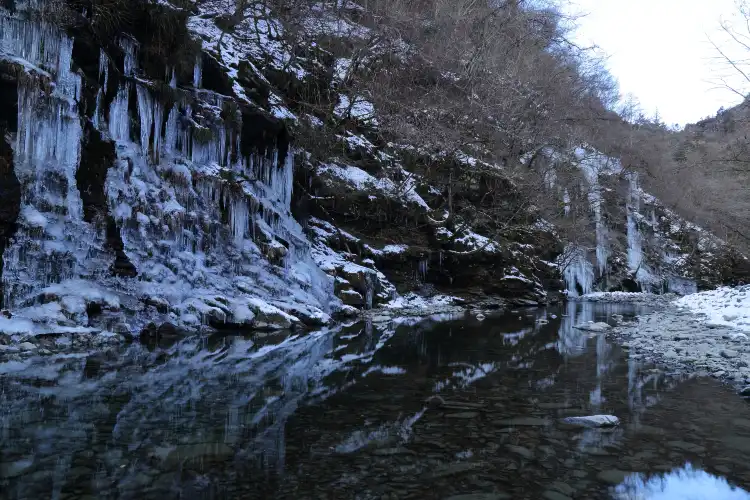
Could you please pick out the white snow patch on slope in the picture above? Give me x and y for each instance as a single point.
(363, 181)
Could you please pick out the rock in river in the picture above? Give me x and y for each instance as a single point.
(592, 421)
(593, 327)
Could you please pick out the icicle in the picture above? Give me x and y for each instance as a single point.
(119, 117)
(566, 202)
(578, 272)
(52, 242)
(171, 132)
(173, 80)
(146, 113)
(423, 269)
(635, 252)
(103, 67)
(158, 121)
(130, 61)
(592, 167)
(239, 219)
(198, 72)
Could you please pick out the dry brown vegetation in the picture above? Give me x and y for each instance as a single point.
(502, 81)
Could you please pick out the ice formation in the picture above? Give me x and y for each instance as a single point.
(635, 252)
(52, 242)
(578, 272)
(207, 227)
(593, 165)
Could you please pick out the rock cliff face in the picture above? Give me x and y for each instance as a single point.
(150, 174)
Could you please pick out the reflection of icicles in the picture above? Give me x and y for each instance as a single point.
(595, 398)
(369, 290)
(572, 341)
(467, 376)
(634, 391)
(401, 429)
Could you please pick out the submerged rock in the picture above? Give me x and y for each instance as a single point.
(592, 421)
(613, 476)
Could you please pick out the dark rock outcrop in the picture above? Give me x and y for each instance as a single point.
(97, 156)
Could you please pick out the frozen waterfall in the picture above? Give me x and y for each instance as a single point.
(207, 227)
(594, 164)
(52, 242)
(578, 272)
(635, 252)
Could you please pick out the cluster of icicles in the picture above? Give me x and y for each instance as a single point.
(53, 242)
(578, 271)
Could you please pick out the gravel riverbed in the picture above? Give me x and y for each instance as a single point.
(687, 342)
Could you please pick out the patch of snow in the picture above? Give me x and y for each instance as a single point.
(724, 306)
(363, 181)
(593, 327)
(414, 301)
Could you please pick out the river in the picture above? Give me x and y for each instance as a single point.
(439, 408)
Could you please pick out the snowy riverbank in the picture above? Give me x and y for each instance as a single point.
(724, 306)
(699, 333)
(627, 297)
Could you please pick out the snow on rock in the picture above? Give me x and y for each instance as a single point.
(402, 308)
(11, 326)
(359, 180)
(724, 306)
(593, 327)
(632, 297)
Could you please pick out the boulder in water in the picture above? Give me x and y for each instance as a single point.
(592, 421)
(593, 327)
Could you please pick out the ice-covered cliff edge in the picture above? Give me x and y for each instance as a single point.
(159, 201)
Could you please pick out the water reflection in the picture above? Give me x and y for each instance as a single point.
(393, 408)
(686, 483)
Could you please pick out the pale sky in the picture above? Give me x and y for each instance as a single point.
(659, 51)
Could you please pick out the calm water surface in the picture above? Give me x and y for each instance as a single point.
(352, 413)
